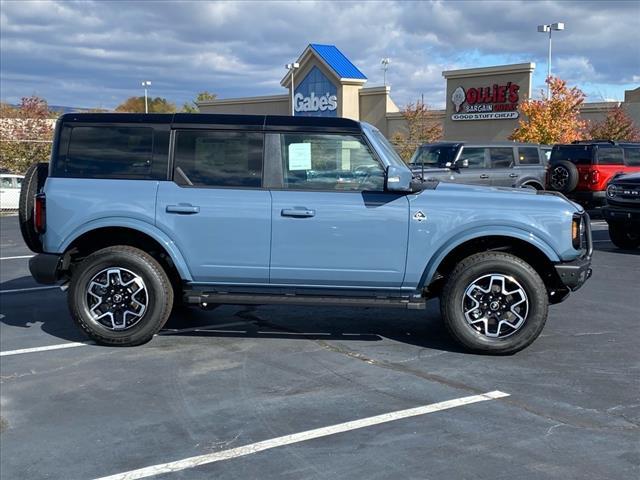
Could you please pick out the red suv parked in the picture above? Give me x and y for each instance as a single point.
(581, 170)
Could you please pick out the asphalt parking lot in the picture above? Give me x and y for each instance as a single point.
(233, 393)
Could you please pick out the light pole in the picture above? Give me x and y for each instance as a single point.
(292, 68)
(146, 84)
(544, 29)
(385, 66)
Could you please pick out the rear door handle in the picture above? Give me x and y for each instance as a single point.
(298, 212)
(183, 209)
(513, 175)
(484, 175)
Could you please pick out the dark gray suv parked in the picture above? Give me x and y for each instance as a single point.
(505, 164)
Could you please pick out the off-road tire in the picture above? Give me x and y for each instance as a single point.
(623, 237)
(159, 290)
(475, 266)
(32, 184)
(569, 174)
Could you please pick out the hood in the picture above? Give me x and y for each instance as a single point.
(526, 194)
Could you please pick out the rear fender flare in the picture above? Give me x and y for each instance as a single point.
(144, 227)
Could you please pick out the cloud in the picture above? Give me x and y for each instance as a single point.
(96, 53)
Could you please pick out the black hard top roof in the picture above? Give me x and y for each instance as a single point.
(470, 143)
(195, 119)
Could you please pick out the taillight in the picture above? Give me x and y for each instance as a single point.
(40, 213)
(594, 177)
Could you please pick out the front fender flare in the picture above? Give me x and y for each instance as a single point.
(144, 227)
(477, 233)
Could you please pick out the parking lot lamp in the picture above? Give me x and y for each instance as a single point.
(544, 29)
(385, 66)
(146, 84)
(292, 68)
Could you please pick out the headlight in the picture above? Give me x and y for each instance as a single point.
(578, 232)
(612, 191)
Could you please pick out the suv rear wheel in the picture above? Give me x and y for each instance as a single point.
(494, 303)
(120, 295)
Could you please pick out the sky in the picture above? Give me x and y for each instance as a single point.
(96, 53)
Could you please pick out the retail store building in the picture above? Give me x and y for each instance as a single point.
(481, 103)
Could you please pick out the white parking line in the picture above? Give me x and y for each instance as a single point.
(16, 258)
(178, 465)
(30, 289)
(60, 346)
(44, 349)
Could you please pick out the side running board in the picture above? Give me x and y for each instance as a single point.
(196, 297)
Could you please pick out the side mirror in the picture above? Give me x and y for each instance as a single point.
(398, 179)
(458, 164)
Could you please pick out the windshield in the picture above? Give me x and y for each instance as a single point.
(435, 156)
(375, 135)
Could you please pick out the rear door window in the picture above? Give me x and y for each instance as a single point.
(610, 156)
(632, 156)
(528, 156)
(206, 158)
(110, 152)
(475, 156)
(501, 157)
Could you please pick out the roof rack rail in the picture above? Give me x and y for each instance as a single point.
(611, 142)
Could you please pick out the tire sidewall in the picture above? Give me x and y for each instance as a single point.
(572, 176)
(33, 182)
(534, 323)
(619, 234)
(154, 317)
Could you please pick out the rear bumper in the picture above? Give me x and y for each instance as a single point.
(591, 199)
(45, 268)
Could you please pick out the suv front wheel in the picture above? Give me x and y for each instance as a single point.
(120, 295)
(494, 303)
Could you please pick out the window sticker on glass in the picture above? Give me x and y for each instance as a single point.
(300, 156)
(351, 144)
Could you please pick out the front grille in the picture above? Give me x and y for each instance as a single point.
(623, 194)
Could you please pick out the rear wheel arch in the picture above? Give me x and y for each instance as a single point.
(98, 238)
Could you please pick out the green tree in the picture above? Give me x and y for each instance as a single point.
(156, 105)
(422, 127)
(192, 107)
(616, 126)
(26, 133)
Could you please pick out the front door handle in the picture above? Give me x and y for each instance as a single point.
(183, 209)
(298, 212)
(513, 175)
(484, 175)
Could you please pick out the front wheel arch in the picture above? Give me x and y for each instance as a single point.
(528, 252)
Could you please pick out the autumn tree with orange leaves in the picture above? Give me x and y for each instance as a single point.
(422, 127)
(616, 126)
(554, 120)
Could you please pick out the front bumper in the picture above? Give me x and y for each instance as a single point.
(45, 267)
(627, 215)
(574, 274)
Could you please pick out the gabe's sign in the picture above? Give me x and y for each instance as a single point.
(496, 102)
(315, 96)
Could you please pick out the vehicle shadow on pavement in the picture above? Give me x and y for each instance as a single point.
(327, 324)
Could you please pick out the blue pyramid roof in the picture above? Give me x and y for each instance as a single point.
(337, 61)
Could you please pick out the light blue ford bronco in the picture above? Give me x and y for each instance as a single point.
(136, 214)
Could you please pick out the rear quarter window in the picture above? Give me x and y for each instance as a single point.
(528, 156)
(610, 156)
(111, 152)
(632, 156)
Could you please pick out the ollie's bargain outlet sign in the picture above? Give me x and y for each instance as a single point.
(495, 102)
